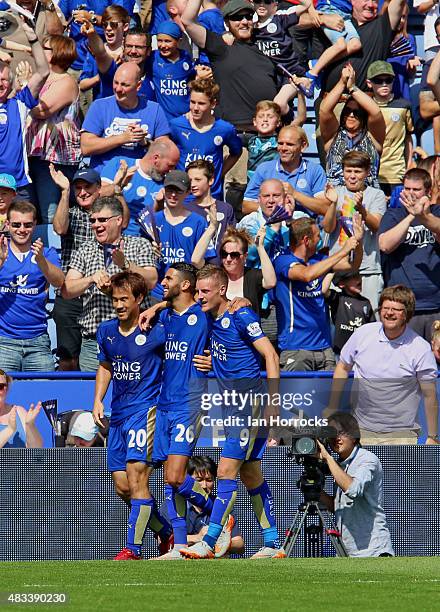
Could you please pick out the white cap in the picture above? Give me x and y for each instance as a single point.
(84, 427)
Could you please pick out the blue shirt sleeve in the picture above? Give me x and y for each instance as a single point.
(156, 337)
(233, 142)
(102, 357)
(90, 67)
(248, 325)
(93, 122)
(318, 181)
(26, 97)
(162, 127)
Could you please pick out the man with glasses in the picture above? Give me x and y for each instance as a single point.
(397, 146)
(123, 124)
(409, 240)
(92, 265)
(358, 499)
(26, 271)
(136, 49)
(393, 369)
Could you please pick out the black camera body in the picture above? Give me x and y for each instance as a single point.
(303, 450)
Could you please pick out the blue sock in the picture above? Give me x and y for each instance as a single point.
(176, 506)
(223, 504)
(262, 503)
(191, 490)
(138, 520)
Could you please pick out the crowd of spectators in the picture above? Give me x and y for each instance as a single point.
(196, 109)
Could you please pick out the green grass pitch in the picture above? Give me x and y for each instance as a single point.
(230, 585)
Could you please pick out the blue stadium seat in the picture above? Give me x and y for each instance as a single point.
(48, 236)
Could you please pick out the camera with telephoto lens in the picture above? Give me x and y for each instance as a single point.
(303, 450)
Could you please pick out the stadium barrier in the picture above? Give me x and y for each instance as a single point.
(59, 503)
(308, 392)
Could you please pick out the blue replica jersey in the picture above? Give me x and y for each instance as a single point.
(178, 243)
(141, 191)
(106, 118)
(212, 20)
(301, 311)
(13, 115)
(170, 81)
(232, 337)
(273, 39)
(136, 363)
(23, 295)
(208, 145)
(186, 335)
(106, 88)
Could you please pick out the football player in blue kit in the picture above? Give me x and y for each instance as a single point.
(236, 345)
(132, 360)
(177, 419)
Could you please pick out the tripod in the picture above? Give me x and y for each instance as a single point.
(313, 534)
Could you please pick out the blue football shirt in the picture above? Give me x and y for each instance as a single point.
(23, 295)
(170, 81)
(136, 362)
(207, 145)
(301, 311)
(186, 335)
(232, 337)
(178, 243)
(106, 118)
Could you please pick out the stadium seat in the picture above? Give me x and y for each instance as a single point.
(427, 141)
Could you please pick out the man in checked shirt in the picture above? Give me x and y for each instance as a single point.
(92, 265)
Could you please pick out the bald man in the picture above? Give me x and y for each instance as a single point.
(302, 179)
(143, 186)
(122, 125)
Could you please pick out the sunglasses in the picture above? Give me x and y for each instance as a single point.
(17, 224)
(382, 80)
(241, 16)
(232, 254)
(356, 112)
(3, 386)
(94, 220)
(268, 2)
(113, 24)
(47, 48)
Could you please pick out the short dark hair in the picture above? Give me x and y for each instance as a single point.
(344, 421)
(401, 294)
(139, 32)
(418, 174)
(200, 464)
(187, 272)
(110, 202)
(23, 207)
(133, 280)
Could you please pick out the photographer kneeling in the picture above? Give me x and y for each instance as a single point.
(357, 503)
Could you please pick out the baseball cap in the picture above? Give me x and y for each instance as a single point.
(235, 6)
(178, 179)
(87, 174)
(84, 427)
(378, 68)
(8, 181)
(170, 28)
